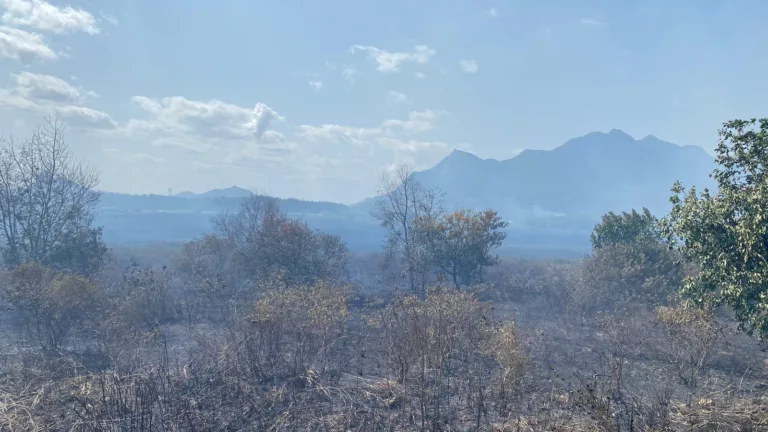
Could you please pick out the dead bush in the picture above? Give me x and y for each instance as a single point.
(51, 304)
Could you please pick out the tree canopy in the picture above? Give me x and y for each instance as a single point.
(626, 228)
(725, 233)
(460, 243)
(268, 243)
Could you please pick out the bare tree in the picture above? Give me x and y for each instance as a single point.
(244, 226)
(47, 199)
(402, 200)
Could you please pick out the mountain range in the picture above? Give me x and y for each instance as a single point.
(585, 177)
(551, 197)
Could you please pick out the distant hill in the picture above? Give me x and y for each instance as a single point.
(230, 192)
(207, 202)
(584, 178)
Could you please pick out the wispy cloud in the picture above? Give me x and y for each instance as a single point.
(41, 15)
(316, 85)
(349, 73)
(468, 66)
(592, 22)
(135, 157)
(45, 94)
(389, 61)
(493, 13)
(397, 97)
(17, 44)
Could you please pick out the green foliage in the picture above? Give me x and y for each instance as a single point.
(80, 251)
(626, 228)
(627, 275)
(726, 233)
(460, 243)
(629, 264)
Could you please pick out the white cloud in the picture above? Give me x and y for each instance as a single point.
(493, 13)
(388, 133)
(316, 85)
(592, 22)
(84, 117)
(46, 94)
(388, 61)
(188, 143)
(212, 119)
(349, 73)
(109, 18)
(204, 126)
(45, 16)
(418, 121)
(48, 88)
(397, 97)
(24, 46)
(135, 157)
(350, 134)
(420, 75)
(468, 66)
(410, 146)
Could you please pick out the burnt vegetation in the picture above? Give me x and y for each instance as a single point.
(267, 325)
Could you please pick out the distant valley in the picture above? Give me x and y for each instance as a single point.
(551, 198)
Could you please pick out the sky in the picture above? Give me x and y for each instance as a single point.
(314, 100)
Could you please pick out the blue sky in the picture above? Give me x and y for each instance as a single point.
(314, 99)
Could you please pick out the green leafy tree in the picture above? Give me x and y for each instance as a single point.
(461, 243)
(626, 228)
(725, 233)
(630, 264)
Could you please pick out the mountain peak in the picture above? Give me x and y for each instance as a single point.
(618, 133)
(459, 153)
(230, 192)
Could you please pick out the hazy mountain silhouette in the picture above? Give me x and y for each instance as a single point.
(586, 176)
(230, 192)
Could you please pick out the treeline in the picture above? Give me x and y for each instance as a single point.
(266, 324)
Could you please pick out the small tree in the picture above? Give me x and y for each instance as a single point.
(630, 264)
(460, 243)
(437, 347)
(293, 330)
(51, 304)
(726, 233)
(626, 228)
(402, 200)
(694, 333)
(204, 267)
(267, 242)
(47, 201)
